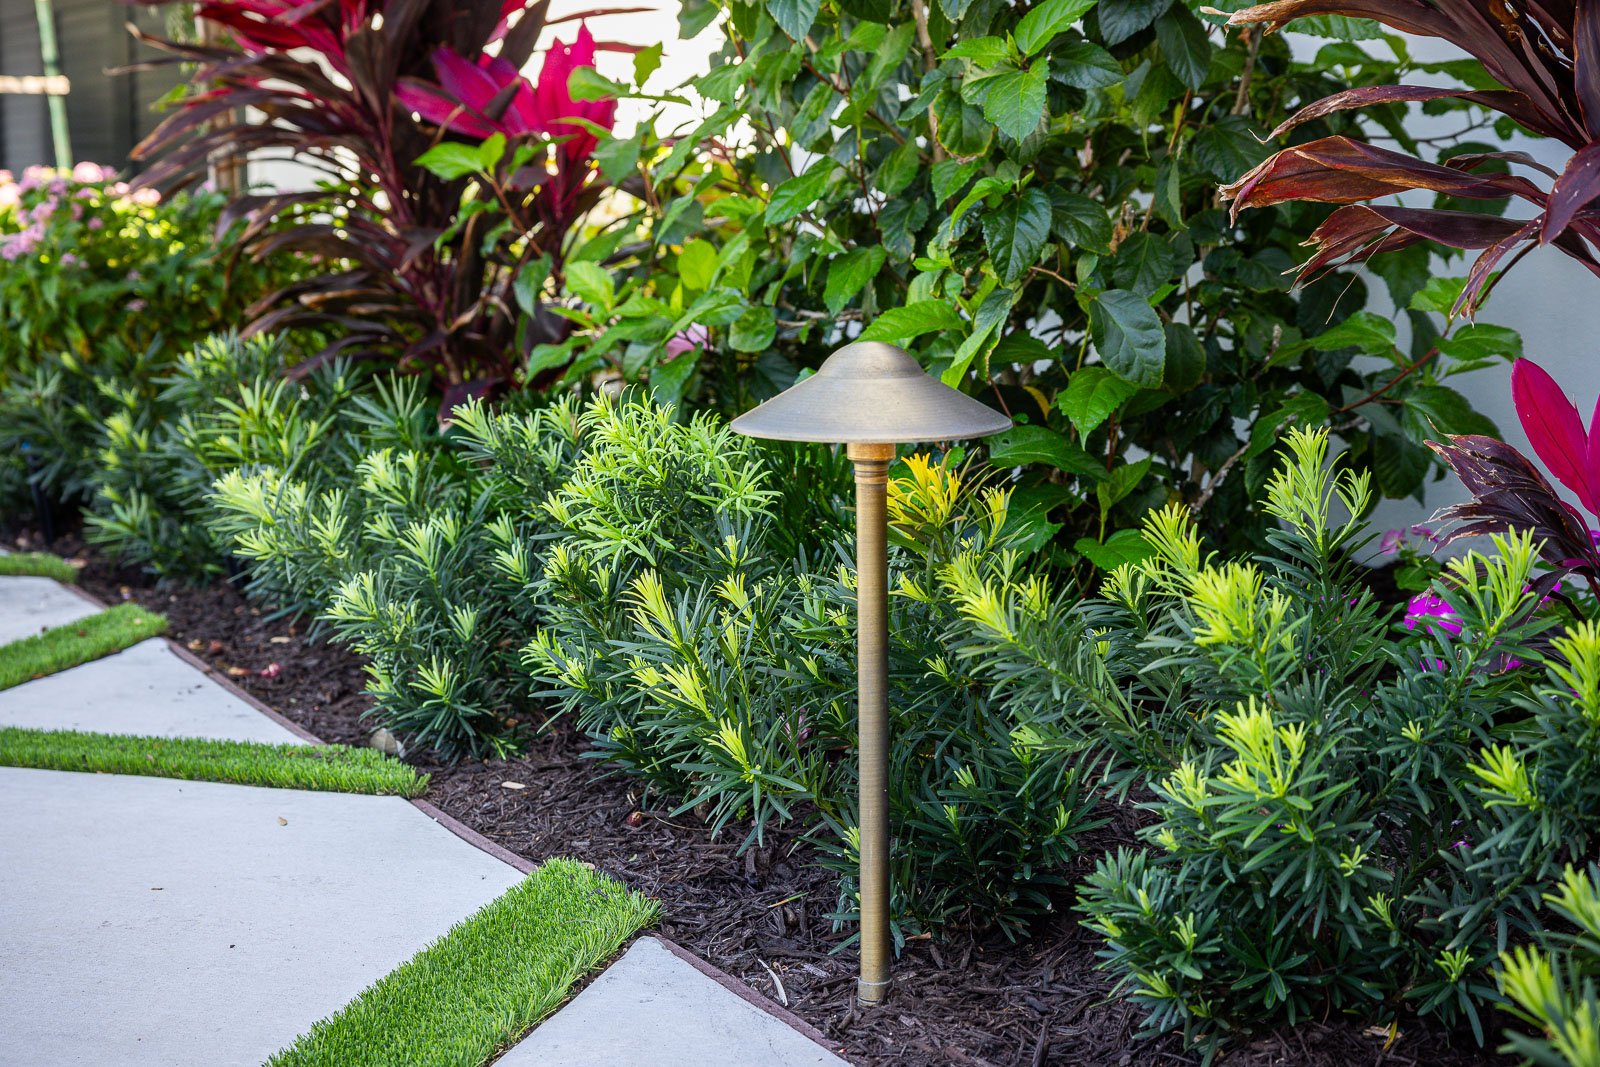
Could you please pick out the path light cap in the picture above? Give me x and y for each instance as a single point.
(870, 393)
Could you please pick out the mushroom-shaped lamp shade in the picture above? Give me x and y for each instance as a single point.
(871, 393)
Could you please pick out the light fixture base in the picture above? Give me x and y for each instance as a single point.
(872, 993)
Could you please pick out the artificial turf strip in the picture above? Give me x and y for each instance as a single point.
(37, 565)
(60, 647)
(482, 985)
(325, 768)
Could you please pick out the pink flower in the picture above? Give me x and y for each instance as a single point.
(1557, 433)
(69, 260)
(1392, 540)
(43, 210)
(1432, 610)
(147, 197)
(694, 337)
(96, 223)
(90, 172)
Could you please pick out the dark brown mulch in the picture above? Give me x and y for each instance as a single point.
(969, 999)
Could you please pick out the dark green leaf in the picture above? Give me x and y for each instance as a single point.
(1144, 262)
(1084, 65)
(1015, 233)
(1437, 409)
(667, 380)
(753, 331)
(794, 17)
(1129, 337)
(1372, 334)
(1022, 445)
(1092, 394)
(797, 194)
(1184, 45)
(1014, 101)
(530, 280)
(1040, 25)
(1079, 220)
(963, 131)
(1124, 546)
(1124, 18)
(847, 274)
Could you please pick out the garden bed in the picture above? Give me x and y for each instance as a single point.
(762, 917)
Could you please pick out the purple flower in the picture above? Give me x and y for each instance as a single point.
(1392, 540)
(95, 223)
(1432, 610)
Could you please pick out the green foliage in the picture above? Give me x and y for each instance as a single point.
(709, 648)
(326, 768)
(101, 290)
(476, 990)
(1347, 815)
(1026, 196)
(1553, 991)
(60, 647)
(222, 406)
(412, 566)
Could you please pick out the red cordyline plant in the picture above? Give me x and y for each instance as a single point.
(1546, 56)
(424, 264)
(1509, 492)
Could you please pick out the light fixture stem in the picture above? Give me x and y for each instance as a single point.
(872, 650)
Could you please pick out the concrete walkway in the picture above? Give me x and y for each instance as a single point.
(156, 921)
(29, 605)
(144, 690)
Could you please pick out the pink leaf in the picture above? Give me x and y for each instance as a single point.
(1554, 428)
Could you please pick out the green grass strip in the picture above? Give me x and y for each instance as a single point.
(482, 985)
(326, 768)
(89, 638)
(37, 565)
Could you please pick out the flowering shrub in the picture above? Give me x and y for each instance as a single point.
(101, 286)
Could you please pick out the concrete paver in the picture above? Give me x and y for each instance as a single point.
(30, 604)
(652, 1009)
(144, 690)
(162, 922)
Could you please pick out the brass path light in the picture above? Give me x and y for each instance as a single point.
(869, 396)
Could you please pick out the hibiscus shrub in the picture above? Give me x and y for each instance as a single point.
(1025, 196)
(450, 181)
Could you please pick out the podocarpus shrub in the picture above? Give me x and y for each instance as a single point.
(721, 669)
(101, 289)
(1349, 815)
(223, 406)
(420, 563)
